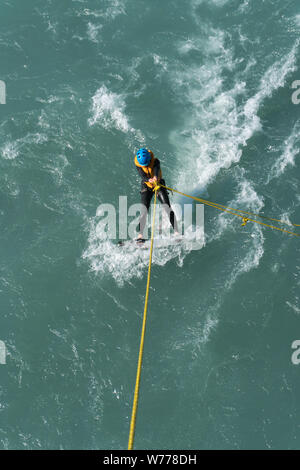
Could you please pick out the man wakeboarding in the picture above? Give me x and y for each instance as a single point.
(149, 170)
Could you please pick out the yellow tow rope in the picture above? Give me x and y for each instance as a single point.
(238, 213)
(140, 359)
(230, 210)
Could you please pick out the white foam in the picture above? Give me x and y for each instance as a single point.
(218, 3)
(289, 151)
(243, 7)
(273, 79)
(116, 8)
(245, 199)
(56, 168)
(297, 20)
(42, 120)
(51, 99)
(93, 30)
(294, 307)
(160, 61)
(110, 12)
(213, 43)
(105, 257)
(12, 149)
(215, 127)
(250, 260)
(108, 109)
(198, 335)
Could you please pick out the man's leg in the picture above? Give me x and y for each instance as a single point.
(164, 199)
(146, 196)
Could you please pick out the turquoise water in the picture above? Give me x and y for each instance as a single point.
(206, 84)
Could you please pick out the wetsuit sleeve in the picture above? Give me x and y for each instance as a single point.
(156, 168)
(142, 174)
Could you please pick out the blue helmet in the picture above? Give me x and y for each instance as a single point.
(144, 156)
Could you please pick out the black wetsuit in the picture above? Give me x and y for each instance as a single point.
(147, 194)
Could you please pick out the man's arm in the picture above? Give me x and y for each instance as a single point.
(142, 174)
(156, 168)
